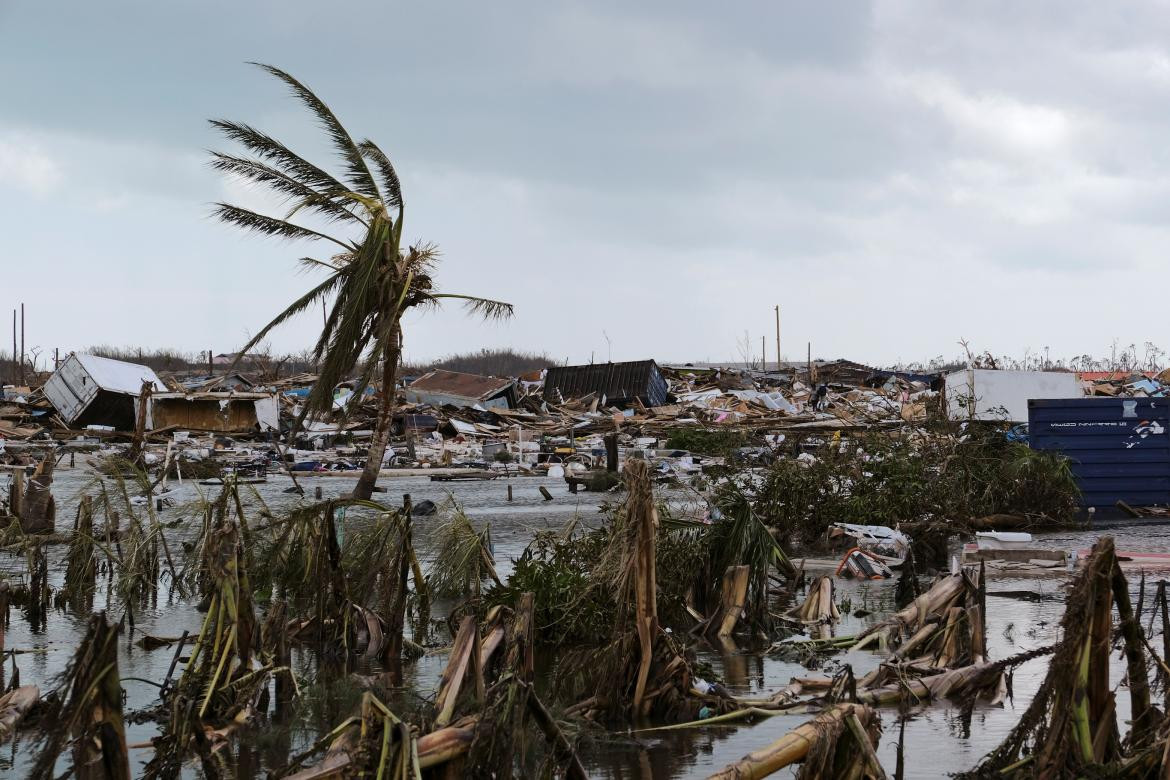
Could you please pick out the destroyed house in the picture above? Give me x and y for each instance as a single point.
(452, 388)
(619, 383)
(214, 412)
(91, 390)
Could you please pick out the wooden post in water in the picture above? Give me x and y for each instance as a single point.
(138, 445)
(509, 492)
(611, 452)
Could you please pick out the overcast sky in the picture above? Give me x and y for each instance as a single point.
(896, 176)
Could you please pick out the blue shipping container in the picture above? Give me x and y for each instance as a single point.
(1119, 448)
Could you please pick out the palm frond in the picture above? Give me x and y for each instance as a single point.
(269, 226)
(286, 185)
(482, 307)
(358, 172)
(462, 554)
(390, 182)
(293, 309)
(268, 148)
(313, 264)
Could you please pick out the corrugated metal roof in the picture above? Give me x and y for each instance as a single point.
(471, 386)
(620, 383)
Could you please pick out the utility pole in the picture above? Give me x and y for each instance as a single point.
(811, 379)
(22, 345)
(14, 372)
(777, 338)
(763, 355)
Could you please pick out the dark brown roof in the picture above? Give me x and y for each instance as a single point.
(456, 383)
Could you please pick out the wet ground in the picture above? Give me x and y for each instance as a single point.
(939, 739)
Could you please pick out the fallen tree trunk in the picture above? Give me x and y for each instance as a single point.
(795, 745)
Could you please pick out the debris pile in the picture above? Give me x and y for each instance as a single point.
(681, 419)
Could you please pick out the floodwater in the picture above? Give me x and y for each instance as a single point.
(939, 738)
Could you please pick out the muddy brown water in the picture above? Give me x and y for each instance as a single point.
(939, 739)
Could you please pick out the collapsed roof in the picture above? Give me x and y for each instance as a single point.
(453, 388)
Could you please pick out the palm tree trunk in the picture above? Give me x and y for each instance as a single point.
(381, 437)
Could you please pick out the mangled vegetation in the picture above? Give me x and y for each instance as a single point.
(929, 479)
(296, 601)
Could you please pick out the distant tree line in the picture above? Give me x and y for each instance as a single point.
(489, 362)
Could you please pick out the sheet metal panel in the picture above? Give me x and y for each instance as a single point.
(78, 380)
(621, 383)
(70, 389)
(1118, 448)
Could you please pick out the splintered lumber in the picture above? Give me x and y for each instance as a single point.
(795, 745)
(466, 646)
(915, 616)
(14, 705)
(643, 517)
(818, 606)
(38, 508)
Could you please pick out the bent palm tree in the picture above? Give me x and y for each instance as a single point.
(372, 281)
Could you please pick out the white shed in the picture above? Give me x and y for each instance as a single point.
(92, 390)
(990, 394)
